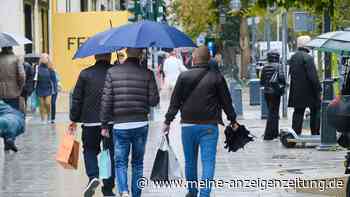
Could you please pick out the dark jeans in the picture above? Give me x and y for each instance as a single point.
(53, 106)
(298, 118)
(14, 103)
(124, 141)
(205, 138)
(91, 138)
(273, 105)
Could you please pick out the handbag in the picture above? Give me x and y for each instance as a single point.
(104, 164)
(68, 152)
(166, 166)
(278, 88)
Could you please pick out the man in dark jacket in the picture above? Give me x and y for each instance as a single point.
(29, 83)
(86, 104)
(129, 92)
(272, 93)
(305, 90)
(200, 116)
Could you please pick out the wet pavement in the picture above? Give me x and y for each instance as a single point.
(33, 171)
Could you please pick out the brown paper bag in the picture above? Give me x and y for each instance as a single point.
(68, 152)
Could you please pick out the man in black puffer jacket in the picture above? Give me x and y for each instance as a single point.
(272, 94)
(85, 107)
(129, 92)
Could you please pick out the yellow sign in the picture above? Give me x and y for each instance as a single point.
(69, 31)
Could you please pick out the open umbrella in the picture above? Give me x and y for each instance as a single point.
(93, 47)
(145, 34)
(10, 39)
(337, 41)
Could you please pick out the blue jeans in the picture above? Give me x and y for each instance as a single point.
(53, 106)
(204, 137)
(124, 140)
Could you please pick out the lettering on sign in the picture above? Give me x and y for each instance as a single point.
(75, 42)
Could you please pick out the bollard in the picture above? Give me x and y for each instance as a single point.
(254, 92)
(236, 95)
(263, 104)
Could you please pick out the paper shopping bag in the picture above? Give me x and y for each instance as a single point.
(68, 152)
(104, 164)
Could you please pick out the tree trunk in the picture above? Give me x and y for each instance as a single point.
(244, 46)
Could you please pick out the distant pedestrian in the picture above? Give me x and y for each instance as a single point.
(305, 89)
(29, 83)
(44, 87)
(172, 69)
(86, 107)
(129, 92)
(200, 94)
(12, 80)
(55, 90)
(272, 93)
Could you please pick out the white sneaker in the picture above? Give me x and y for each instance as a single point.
(124, 194)
(91, 187)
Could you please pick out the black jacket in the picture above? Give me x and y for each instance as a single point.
(305, 87)
(205, 102)
(29, 84)
(129, 92)
(86, 100)
(266, 75)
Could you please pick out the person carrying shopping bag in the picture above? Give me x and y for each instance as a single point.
(86, 105)
(200, 93)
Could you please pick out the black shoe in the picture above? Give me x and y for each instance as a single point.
(91, 187)
(107, 193)
(10, 145)
(190, 195)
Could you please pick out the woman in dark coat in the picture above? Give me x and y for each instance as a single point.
(44, 88)
(305, 91)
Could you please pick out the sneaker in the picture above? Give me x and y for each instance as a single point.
(91, 187)
(124, 194)
(10, 145)
(190, 195)
(108, 194)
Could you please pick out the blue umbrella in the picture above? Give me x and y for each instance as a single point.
(92, 47)
(146, 34)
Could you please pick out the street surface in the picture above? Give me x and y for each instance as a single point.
(33, 171)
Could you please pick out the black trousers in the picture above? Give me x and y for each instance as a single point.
(272, 124)
(298, 118)
(91, 138)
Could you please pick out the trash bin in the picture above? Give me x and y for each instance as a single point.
(254, 92)
(263, 104)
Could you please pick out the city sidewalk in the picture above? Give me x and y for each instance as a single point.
(33, 172)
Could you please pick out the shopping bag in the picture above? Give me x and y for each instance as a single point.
(68, 152)
(104, 164)
(166, 166)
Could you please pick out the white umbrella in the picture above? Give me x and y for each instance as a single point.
(10, 39)
(337, 41)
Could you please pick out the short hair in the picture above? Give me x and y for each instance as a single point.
(201, 55)
(133, 52)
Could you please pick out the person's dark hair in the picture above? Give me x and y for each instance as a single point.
(273, 57)
(7, 50)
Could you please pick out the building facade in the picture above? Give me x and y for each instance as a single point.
(32, 18)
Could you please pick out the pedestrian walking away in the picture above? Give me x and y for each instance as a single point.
(29, 83)
(86, 103)
(43, 86)
(200, 93)
(172, 69)
(305, 89)
(12, 80)
(55, 89)
(129, 92)
(273, 81)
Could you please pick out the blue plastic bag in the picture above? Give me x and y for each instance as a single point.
(104, 164)
(12, 122)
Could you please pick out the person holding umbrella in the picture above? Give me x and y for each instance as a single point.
(12, 80)
(129, 92)
(86, 105)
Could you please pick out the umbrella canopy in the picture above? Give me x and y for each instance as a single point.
(9, 40)
(337, 41)
(146, 34)
(93, 47)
